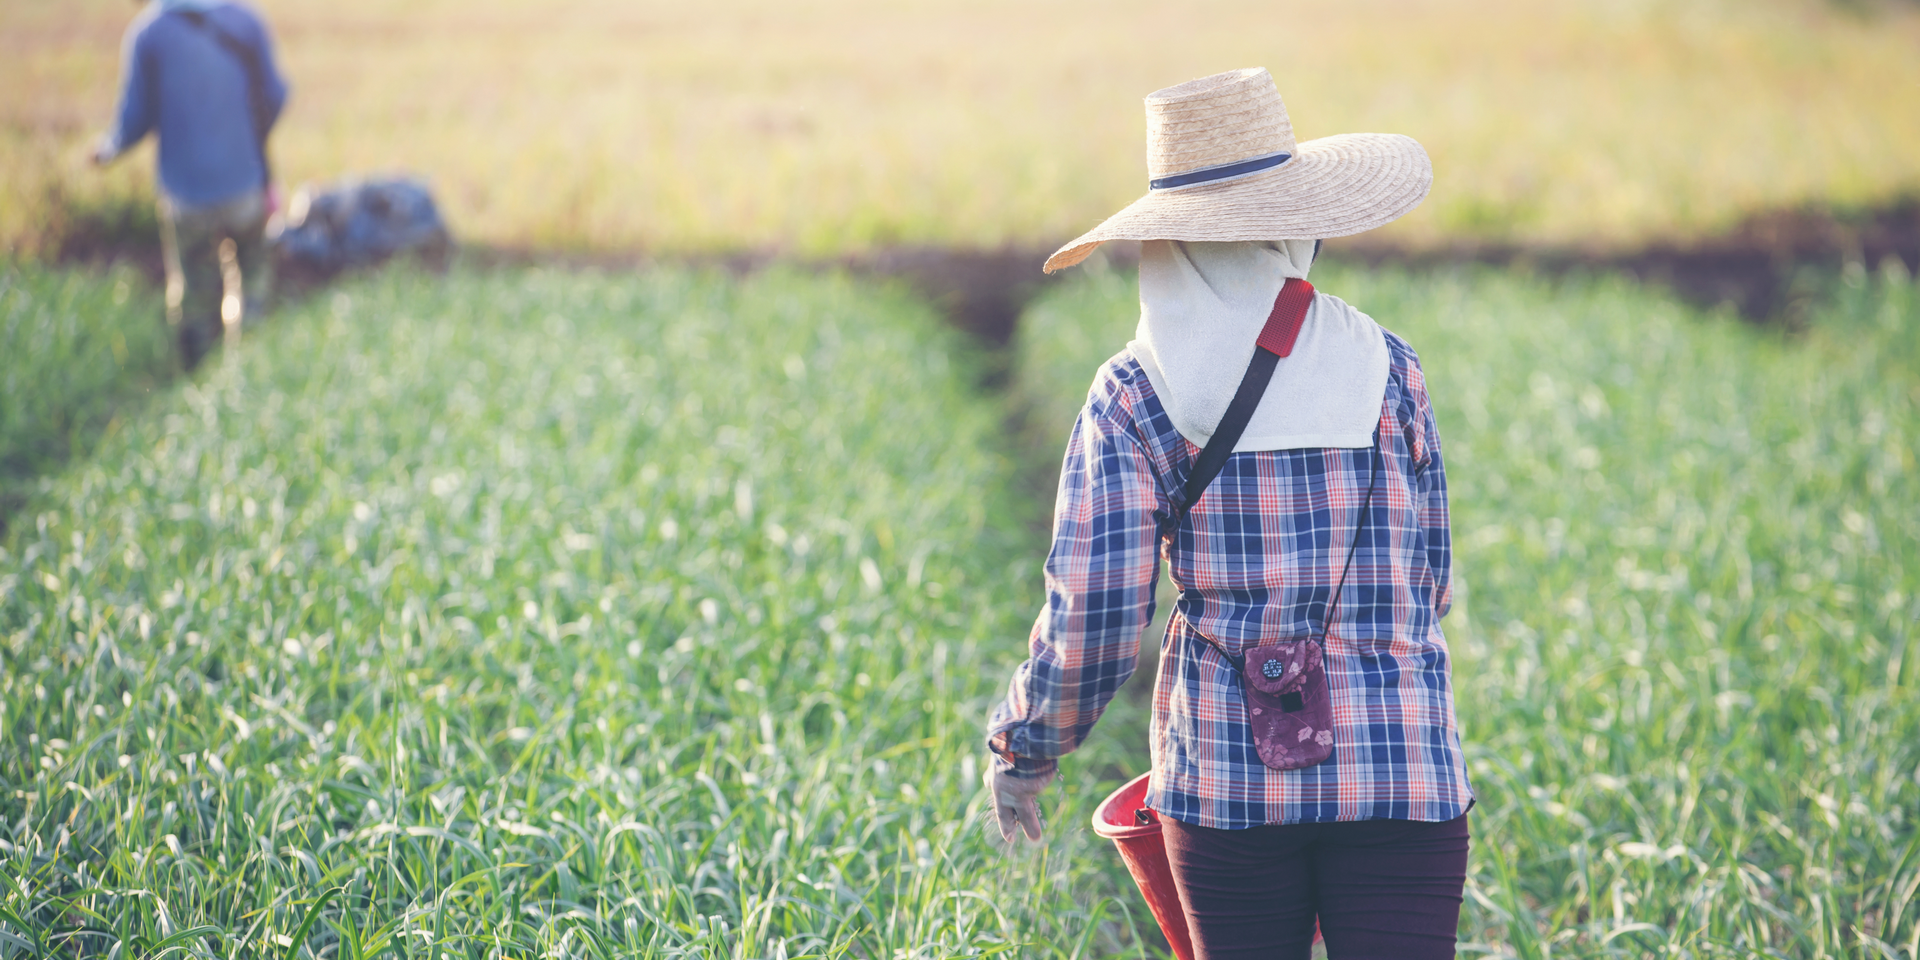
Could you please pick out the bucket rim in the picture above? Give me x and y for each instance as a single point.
(1122, 802)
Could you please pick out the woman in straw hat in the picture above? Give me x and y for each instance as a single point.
(1277, 449)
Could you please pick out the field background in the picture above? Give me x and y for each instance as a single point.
(849, 124)
(654, 613)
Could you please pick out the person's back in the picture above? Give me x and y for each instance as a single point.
(1275, 451)
(184, 86)
(200, 76)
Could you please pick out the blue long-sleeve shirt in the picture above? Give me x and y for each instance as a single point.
(181, 84)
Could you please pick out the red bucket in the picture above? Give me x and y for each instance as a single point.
(1125, 819)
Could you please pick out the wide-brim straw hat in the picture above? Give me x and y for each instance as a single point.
(1222, 164)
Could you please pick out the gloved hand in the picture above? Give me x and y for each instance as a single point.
(1015, 799)
(104, 152)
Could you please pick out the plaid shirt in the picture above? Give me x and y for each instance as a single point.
(1256, 559)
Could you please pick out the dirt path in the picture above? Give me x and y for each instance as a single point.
(1761, 267)
(1755, 266)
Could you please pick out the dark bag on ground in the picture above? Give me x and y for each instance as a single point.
(355, 223)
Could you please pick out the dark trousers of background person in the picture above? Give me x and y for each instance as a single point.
(1380, 888)
(205, 247)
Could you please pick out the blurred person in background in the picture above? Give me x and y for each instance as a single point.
(1277, 450)
(200, 75)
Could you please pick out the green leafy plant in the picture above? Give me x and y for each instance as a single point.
(536, 614)
(75, 349)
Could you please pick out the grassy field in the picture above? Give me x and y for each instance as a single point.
(657, 615)
(535, 614)
(75, 349)
(827, 127)
(1688, 557)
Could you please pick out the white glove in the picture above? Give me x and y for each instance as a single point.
(1014, 800)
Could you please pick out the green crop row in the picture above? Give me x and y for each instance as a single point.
(536, 614)
(1688, 560)
(74, 347)
(581, 615)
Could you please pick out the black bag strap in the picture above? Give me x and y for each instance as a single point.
(258, 103)
(1276, 340)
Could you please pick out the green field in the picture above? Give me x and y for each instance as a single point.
(537, 613)
(75, 348)
(561, 614)
(533, 612)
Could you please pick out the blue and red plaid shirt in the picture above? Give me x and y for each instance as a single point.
(1257, 559)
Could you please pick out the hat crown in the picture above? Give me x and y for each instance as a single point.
(1217, 120)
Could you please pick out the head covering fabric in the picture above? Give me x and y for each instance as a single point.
(1202, 305)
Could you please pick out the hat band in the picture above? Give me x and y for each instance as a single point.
(1225, 171)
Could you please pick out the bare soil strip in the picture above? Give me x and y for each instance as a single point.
(1755, 267)
(1760, 267)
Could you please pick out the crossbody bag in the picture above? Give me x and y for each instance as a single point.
(1289, 707)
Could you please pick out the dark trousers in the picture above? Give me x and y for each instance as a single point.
(1380, 888)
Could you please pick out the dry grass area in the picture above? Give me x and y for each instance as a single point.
(848, 124)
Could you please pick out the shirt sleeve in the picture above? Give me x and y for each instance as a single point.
(137, 113)
(1430, 476)
(1100, 576)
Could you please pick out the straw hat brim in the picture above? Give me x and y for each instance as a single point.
(1333, 187)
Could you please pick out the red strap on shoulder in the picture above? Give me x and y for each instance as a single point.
(1289, 312)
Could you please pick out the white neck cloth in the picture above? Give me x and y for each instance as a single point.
(1202, 305)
